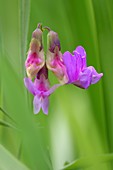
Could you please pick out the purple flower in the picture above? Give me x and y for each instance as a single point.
(54, 59)
(68, 68)
(78, 72)
(41, 90)
(35, 59)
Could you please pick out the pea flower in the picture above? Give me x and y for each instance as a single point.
(78, 72)
(54, 59)
(35, 59)
(41, 90)
(68, 68)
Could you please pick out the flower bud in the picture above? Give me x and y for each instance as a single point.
(53, 41)
(54, 58)
(35, 59)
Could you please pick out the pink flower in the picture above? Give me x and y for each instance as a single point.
(68, 68)
(41, 90)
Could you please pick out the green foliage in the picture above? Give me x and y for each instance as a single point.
(80, 122)
(89, 162)
(7, 161)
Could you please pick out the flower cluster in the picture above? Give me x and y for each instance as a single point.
(68, 68)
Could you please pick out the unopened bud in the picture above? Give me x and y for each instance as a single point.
(53, 41)
(37, 35)
(35, 59)
(54, 58)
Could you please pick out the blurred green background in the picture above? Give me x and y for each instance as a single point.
(80, 122)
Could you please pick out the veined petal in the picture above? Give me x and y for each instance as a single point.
(70, 63)
(54, 60)
(45, 105)
(56, 65)
(35, 59)
(32, 70)
(30, 86)
(95, 76)
(34, 62)
(52, 89)
(80, 51)
(37, 103)
(42, 84)
(85, 78)
(31, 58)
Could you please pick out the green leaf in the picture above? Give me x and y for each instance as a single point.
(89, 161)
(6, 124)
(24, 10)
(5, 113)
(9, 162)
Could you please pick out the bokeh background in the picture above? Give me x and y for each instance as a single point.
(79, 125)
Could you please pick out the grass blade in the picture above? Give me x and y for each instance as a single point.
(6, 124)
(7, 161)
(6, 114)
(89, 161)
(24, 10)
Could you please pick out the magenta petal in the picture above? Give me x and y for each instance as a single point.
(85, 78)
(95, 76)
(70, 63)
(29, 85)
(52, 89)
(45, 105)
(80, 51)
(37, 104)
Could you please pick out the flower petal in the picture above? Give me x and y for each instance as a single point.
(45, 105)
(34, 62)
(52, 89)
(85, 78)
(37, 104)
(54, 58)
(42, 84)
(95, 76)
(70, 63)
(30, 86)
(82, 54)
(56, 65)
